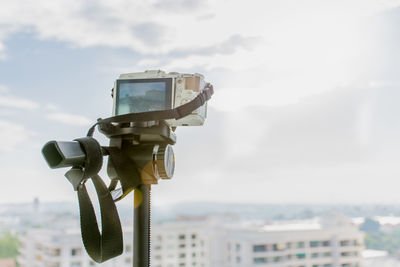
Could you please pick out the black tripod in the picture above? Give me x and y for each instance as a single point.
(147, 146)
(142, 226)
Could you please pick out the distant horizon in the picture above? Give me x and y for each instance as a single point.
(217, 202)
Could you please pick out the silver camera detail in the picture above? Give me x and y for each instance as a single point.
(157, 90)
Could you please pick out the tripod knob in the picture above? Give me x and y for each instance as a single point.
(165, 161)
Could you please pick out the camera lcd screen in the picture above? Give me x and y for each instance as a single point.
(143, 95)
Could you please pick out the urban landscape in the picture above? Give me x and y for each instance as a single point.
(229, 236)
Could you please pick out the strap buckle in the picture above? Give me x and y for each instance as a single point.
(76, 177)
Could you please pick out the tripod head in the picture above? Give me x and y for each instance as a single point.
(140, 152)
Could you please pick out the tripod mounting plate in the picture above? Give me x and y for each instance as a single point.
(149, 132)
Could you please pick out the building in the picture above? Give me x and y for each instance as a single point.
(330, 242)
(64, 248)
(379, 258)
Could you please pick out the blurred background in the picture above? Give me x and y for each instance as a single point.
(300, 145)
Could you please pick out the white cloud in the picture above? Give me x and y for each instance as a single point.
(17, 102)
(11, 135)
(309, 44)
(150, 27)
(69, 119)
(52, 107)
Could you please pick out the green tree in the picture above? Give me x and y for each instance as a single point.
(370, 225)
(9, 245)
(389, 241)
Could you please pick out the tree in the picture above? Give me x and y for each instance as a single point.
(9, 245)
(370, 225)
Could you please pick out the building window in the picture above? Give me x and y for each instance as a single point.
(75, 264)
(53, 252)
(237, 247)
(238, 259)
(128, 260)
(279, 247)
(76, 252)
(326, 254)
(260, 260)
(301, 255)
(326, 243)
(182, 255)
(182, 237)
(344, 243)
(182, 245)
(157, 257)
(128, 248)
(315, 255)
(327, 265)
(300, 244)
(278, 259)
(259, 248)
(314, 244)
(194, 236)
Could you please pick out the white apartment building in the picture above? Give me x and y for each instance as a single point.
(64, 248)
(331, 242)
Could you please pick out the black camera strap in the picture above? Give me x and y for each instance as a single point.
(158, 115)
(108, 243)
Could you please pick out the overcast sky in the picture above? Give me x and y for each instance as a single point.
(305, 110)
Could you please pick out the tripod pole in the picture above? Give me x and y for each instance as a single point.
(141, 226)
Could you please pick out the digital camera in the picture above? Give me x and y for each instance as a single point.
(157, 90)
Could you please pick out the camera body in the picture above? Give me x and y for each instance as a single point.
(157, 90)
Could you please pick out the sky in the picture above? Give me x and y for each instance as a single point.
(305, 109)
